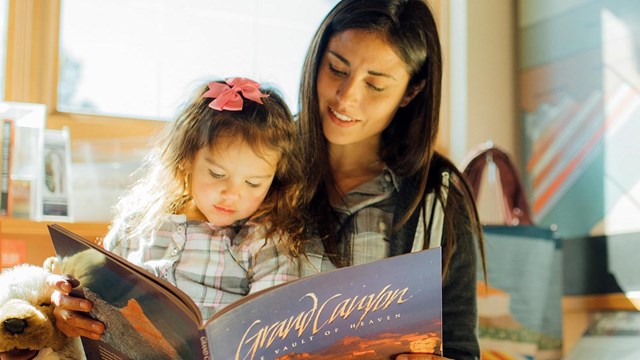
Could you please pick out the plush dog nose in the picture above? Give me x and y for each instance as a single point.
(14, 326)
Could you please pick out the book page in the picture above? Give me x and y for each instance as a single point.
(143, 317)
(368, 311)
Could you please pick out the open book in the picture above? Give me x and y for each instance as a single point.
(376, 310)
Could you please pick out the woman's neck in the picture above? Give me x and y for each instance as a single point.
(353, 165)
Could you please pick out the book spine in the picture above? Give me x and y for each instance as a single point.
(204, 345)
(6, 150)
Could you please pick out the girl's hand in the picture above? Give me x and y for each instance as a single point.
(420, 357)
(69, 310)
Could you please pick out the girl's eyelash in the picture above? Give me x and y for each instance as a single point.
(214, 175)
(220, 176)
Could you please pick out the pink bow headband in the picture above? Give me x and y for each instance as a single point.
(227, 96)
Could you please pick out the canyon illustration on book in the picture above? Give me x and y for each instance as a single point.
(370, 311)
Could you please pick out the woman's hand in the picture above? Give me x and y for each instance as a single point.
(69, 310)
(420, 357)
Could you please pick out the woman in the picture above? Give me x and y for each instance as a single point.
(370, 99)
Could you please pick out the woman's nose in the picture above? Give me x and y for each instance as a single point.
(348, 93)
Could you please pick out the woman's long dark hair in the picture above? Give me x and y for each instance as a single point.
(408, 143)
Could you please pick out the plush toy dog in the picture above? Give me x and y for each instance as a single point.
(27, 324)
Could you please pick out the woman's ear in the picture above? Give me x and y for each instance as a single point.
(411, 92)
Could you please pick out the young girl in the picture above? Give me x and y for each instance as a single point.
(215, 210)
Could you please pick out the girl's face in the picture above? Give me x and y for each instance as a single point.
(361, 84)
(229, 180)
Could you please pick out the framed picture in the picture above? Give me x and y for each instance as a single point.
(55, 177)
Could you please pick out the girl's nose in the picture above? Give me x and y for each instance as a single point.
(231, 191)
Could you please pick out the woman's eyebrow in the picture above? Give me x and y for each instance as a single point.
(340, 57)
(376, 73)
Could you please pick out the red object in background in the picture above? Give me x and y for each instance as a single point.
(12, 252)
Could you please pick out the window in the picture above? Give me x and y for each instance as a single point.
(4, 6)
(141, 58)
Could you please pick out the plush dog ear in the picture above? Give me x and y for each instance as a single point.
(52, 265)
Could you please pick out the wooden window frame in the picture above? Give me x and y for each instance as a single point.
(33, 29)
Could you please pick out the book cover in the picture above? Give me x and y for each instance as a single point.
(376, 310)
(6, 162)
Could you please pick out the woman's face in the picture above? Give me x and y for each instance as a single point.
(361, 83)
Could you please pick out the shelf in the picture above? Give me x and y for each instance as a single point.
(27, 241)
(577, 311)
(601, 302)
(36, 228)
